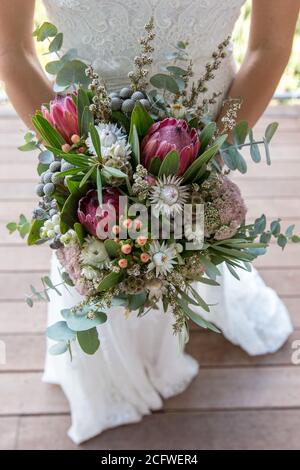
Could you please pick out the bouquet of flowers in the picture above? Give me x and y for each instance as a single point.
(135, 194)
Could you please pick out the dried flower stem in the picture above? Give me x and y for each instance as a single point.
(200, 87)
(100, 107)
(138, 76)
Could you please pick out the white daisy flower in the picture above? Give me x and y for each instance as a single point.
(167, 196)
(94, 253)
(112, 140)
(163, 257)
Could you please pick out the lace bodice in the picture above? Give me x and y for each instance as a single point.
(106, 32)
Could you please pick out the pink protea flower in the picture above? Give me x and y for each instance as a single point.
(62, 115)
(171, 134)
(90, 214)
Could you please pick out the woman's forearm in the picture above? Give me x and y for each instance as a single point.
(26, 84)
(256, 82)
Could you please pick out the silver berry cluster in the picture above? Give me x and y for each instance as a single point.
(126, 99)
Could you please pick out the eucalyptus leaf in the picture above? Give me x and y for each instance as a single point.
(60, 332)
(35, 230)
(270, 131)
(46, 157)
(240, 132)
(165, 82)
(81, 322)
(58, 348)
(73, 73)
(88, 341)
(28, 147)
(45, 31)
(56, 43)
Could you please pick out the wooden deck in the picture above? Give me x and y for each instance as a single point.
(236, 402)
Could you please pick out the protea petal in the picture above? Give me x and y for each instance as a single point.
(171, 134)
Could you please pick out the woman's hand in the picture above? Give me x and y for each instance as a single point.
(25, 81)
(269, 47)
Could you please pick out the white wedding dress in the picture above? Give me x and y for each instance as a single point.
(139, 362)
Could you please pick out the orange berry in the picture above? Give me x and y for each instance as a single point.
(145, 257)
(141, 240)
(66, 148)
(126, 249)
(75, 139)
(123, 263)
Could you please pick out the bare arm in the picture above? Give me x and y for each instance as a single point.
(270, 42)
(25, 82)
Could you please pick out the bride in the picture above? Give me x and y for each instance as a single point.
(139, 362)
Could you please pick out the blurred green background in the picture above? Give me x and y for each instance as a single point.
(290, 81)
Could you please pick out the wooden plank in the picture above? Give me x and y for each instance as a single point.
(275, 387)
(285, 281)
(18, 318)
(24, 352)
(242, 388)
(25, 393)
(8, 432)
(228, 430)
(27, 352)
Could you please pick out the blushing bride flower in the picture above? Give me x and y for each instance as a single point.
(94, 254)
(163, 257)
(113, 141)
(167, 196)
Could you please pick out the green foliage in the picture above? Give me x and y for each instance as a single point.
(170, 164)
(88, 340)
(22, 226)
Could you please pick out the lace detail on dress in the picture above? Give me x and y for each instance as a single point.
(106, 33)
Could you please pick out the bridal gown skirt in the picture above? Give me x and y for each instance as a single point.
(139, 362)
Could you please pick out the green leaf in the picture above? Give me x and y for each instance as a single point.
(47, 132)
(112, 248)
(155, 166)
(232, 271)
(206, 135)
(209, 282)
(109, 171)
(82, 102)
(111, 280)
(86, 120)
(58, 348)
(29, 301)
(165, 82)
(99, 186)
(12, 227)
(135, 145)
(28, 147)
(87, 176)
(178, 71)
(260, 224)
(170, 164)
(141, 120)
(267, 150)
(34, 234)
(295, 239)
(275, 227)
(254, 148)
(66, 278)
(29, 136)
(193, 170)
(73, 73)
(95, 139)
(210, 268)
(55, 66)
(79, 321)
(270, 131)
(201, 303)
(240, 132)
(68, 214)
(282, 241)
(46, 30)
(197, 318)
(290, 230)
(56, 43)
(60, 332)
(88, 341)
(121, 119)
(136, 301)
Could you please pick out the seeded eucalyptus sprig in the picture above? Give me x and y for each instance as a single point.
(48, 286)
